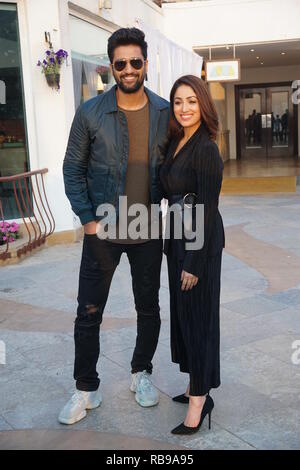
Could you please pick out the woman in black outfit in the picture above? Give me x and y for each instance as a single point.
(193, 168)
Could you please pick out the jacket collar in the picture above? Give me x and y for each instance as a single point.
(110, 100)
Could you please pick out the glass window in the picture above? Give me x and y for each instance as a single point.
(91, 72)
(13, 146)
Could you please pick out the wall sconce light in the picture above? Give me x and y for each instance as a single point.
(105, 4)
(48, 39)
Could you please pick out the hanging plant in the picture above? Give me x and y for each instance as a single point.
(51, 66)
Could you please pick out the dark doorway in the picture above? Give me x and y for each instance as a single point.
(266, 121)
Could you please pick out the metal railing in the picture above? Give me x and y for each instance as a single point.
(32, 205)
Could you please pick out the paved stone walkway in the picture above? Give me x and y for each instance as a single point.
(258, 404)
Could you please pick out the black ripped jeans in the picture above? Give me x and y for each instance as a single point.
(98, 263)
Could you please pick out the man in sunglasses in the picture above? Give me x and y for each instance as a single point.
(116, 146)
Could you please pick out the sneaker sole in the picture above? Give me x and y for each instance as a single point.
(93, 406)
(81, 416)
(146, 404)
(73, 420)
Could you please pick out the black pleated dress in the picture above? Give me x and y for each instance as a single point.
(195, 326)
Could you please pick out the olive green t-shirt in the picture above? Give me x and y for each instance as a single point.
(137, 186)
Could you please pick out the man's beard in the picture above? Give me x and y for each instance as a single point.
(131, 89)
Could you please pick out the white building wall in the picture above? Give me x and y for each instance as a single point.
(125, 12)
(48, 113)
(231, 21)
(52, 111)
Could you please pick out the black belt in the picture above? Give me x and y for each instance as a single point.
(188, 200)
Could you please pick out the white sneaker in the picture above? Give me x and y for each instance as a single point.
(75, 409)
(145, 393)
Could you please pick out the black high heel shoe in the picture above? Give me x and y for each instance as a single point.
(181, 398)
(206, 410)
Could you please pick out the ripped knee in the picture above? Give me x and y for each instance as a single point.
(91, 309)
(88, 315)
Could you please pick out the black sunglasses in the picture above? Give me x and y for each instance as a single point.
(120, 65)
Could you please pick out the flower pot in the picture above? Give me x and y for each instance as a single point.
(53, 80)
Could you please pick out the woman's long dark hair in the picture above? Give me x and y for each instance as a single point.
(207, 108)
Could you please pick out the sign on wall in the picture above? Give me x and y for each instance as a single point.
(223, 70)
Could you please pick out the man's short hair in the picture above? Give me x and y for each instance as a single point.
(126, 37)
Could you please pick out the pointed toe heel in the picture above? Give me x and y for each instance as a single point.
(181, 399)
(206, 410)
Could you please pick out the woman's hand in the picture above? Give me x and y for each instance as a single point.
(188, 280)
(90, 228)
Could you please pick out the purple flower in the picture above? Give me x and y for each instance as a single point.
(52, 60)
(11, 239)
(4, 238)
(48, 52)
(39, 63)
(44, 62)
(61, 53)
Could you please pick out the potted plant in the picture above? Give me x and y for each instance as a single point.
(9, 232)
(51, 66)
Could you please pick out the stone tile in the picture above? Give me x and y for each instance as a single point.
(246, 330)
(61, 354)
(287, 321)
(27, 391)
(276, 430)
(290, 297)
(45, 299)
(117, 340)
(267, 375)
(216, 439)
(236, 402)
(279, 347)
(27, 341)
(38, 414)
(4, 426)
(69, 439)
(231, 292)
(254, 306)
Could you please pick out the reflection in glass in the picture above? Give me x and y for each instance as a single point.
(280, 119)
(13, 148)
(90, 62)
(253, 120)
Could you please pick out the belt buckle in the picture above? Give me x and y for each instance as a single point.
(187, 204)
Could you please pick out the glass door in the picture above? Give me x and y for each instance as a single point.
(280, 123)
(13, 142)
(266, 122)
(253, 135)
